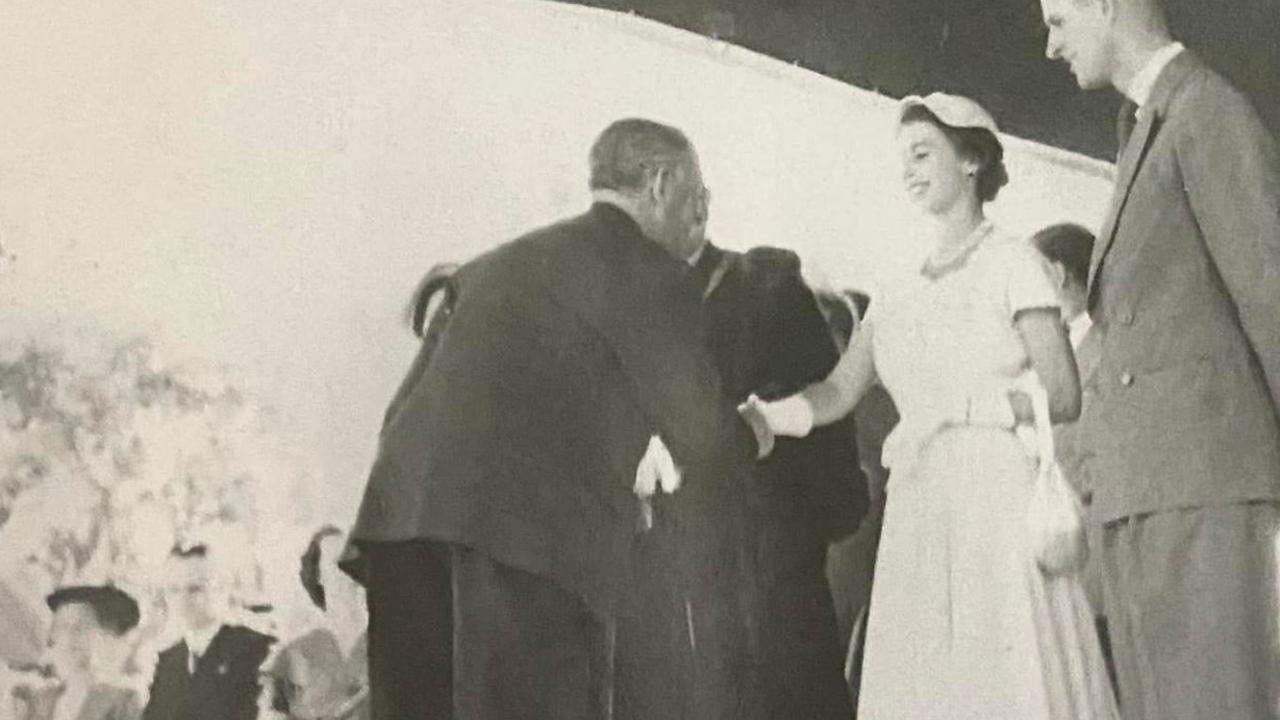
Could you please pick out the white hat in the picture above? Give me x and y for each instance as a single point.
(953, 110)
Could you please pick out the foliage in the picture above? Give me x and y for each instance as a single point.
(110, 455)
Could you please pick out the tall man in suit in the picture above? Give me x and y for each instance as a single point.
(509, 455)
(212, 672)
(1184, 423)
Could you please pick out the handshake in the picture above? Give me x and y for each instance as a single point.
(789, 417)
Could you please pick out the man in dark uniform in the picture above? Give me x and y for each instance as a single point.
(212, 673)
(501, 497)
(731, 616)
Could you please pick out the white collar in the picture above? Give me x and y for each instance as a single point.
(693, 259)
(1140, 89)
(1077, 328)
(198, 641)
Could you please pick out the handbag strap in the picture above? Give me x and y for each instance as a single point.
(1029, 383)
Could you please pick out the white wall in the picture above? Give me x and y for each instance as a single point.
(262, 182)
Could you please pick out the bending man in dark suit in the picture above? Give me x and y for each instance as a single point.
(508, 457)
(1183, 424)
(212, 673)
(732, 616)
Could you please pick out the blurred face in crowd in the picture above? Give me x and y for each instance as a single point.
(934, 174)
(678, 206)
(191, 593)
(73, 634)
(1080, 34)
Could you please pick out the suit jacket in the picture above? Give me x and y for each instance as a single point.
(565, 351)
(1185, 285)
(769, 337)
(225, 685)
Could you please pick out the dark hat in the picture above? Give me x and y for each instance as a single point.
(115, 609)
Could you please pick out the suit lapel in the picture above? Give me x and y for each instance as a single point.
(1135, 152)
(211, 664)
(1130, 160)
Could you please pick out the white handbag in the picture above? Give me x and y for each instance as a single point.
(1055, 516)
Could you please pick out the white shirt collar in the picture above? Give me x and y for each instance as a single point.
(1145, 80)
(1078, 328)
(198, 641)
(693, 259)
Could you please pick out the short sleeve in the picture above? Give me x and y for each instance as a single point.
(1028, 282)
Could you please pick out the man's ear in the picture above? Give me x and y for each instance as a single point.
(660, 186)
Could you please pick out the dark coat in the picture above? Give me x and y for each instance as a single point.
(731, 615)
(769, 337)
(225, 685)
(519, 430)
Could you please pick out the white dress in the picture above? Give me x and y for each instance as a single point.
(963, 625)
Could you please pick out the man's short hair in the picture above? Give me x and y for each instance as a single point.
(1070, 245)
(116, 610)
(629, 150)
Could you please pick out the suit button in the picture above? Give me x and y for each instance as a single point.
(1125, 317)
(1126, 379)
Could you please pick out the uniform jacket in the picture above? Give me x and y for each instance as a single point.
(520, 425)
(225, 685)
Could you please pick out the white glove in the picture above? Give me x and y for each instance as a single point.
(656, 469)
(790, 417)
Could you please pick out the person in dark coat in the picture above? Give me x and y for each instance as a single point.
(213, 672)
(507, 460)
(732, 616)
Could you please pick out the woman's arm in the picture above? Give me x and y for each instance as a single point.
(823, 402)
(1045, 339)
(835, 397)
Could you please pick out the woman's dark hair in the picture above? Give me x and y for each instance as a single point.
(976, 144)
(309, 572)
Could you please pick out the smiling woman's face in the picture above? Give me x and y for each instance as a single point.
(934, 175)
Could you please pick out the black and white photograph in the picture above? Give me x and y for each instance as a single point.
(640, 360)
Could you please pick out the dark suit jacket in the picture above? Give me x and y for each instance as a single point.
(565, 351)
(1185, 286)
(225, 685)
(769, 337)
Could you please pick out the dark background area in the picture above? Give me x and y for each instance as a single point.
(990, 50)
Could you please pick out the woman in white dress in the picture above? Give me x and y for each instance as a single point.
(963, 623)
